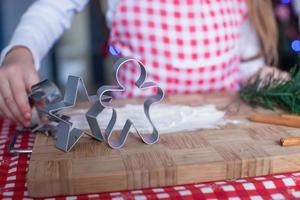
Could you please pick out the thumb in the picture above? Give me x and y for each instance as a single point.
(30, 80)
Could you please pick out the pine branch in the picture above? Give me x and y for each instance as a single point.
(274, 93)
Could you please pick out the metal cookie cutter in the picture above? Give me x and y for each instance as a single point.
(66, 135)
(43, 92)
(140, 83)
(11, 146)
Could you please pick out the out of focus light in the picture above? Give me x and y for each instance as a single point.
(114, 50)
(285, 1)
(296, 45)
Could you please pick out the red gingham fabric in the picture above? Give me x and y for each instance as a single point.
(13, 182)
(188, 46)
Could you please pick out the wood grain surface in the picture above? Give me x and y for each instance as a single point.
(232, 151)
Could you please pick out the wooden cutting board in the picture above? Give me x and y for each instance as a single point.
(233, 151)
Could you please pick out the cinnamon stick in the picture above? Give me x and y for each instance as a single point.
(290, 141)
(289, 116)
(276, 119)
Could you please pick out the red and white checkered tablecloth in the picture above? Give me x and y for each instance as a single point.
(13, 182)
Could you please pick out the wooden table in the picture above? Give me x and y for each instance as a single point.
(233, 151)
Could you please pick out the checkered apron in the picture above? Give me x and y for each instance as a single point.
(188, 46)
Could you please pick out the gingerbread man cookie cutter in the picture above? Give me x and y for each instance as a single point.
(141, 84)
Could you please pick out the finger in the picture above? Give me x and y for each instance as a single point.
(268, 72)
(21, 99)
(280, 75)
(10, 102)
(276, 74)
(4, 109)
(31, 80)
(285, 76)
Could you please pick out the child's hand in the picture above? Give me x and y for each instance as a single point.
(275, 72)
(17, 75)
(267, 71)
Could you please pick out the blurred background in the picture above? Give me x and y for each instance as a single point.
(83, 49)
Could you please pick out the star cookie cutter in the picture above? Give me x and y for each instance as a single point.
(66, 135)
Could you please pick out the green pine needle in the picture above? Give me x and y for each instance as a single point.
(274, 93)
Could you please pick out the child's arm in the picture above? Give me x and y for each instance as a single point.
(42, 24)
(253, 63)
(252, 59)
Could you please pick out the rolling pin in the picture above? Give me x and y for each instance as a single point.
(284, 120)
